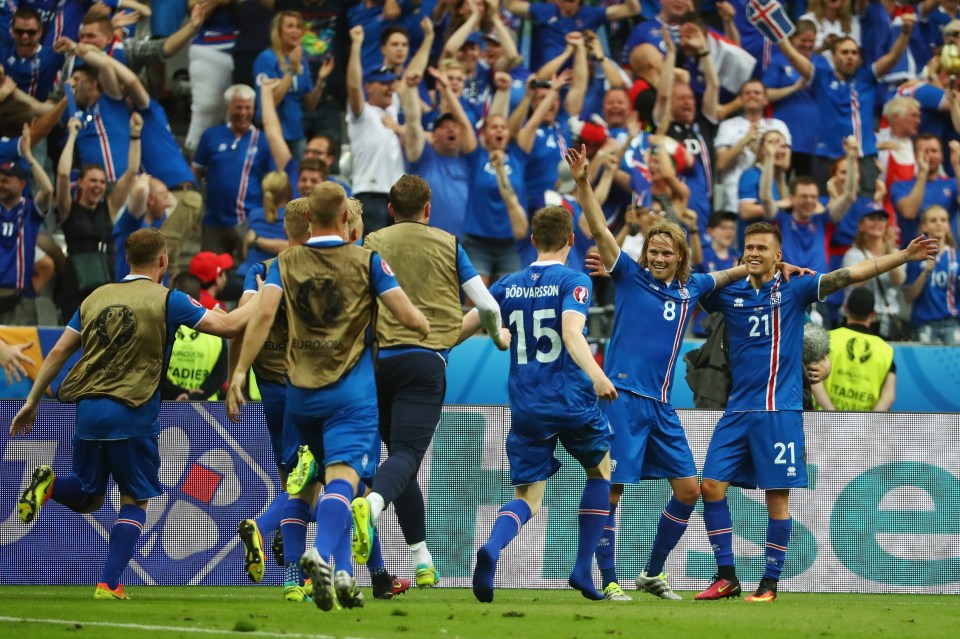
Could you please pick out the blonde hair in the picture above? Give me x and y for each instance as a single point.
(948, 239)
(276, 193)
(296, 219)
(675, 233)
(451, 63)
(817, 8)
(327, 203)
(275, 43)
(354, 217)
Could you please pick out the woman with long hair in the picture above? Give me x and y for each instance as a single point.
(875, 238)
(296, 90)
(834, 19)
(265, 234)
(932, 285)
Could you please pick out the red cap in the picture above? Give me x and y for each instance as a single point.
(207, 265)
(593, 133)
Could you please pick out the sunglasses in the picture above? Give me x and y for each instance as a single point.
(27, 32)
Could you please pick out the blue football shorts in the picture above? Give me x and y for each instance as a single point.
(133, 462)
(648, 440)
(531, 454)
(758, 449)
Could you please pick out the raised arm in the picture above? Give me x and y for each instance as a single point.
(511, 56)
(413, 136)
(41, 181)
(767, 203)
(459, 37)
(519, 223)
(131, 83)
(137, 201)
(122, 188)
(312, 99)
(606, 243)
(919, 249)
(64, 201)
(418, 63)
(885, 63)
(519, 8)
(107, 75)
(185, 34)
(710, 102)
(838, 207)
(469, 136)
(528, 133)
(661, 108)
(796, 59)
(355, 98)
(271, 125)
(628, 9)
(577, 92)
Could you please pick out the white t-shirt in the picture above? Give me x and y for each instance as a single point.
(729, 133)
(377, 156)
(827, 28)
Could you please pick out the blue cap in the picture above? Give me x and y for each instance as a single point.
(474, 38)
(872, 209)
(379, 74)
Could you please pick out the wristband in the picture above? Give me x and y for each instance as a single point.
(134, 137)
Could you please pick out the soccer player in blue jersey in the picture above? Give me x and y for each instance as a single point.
(126, 331)
(758, 443)
(330, 288)
(554, 387)
(654, 303)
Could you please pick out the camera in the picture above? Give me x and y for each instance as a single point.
(540, 84)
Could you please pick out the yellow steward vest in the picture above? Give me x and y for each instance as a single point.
(859, 363)
(193, 358)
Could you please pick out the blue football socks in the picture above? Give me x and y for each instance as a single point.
(593, 514)
(510, 520)
(123, 541)
(719, 524)
(670, 528)
(607, 549)
(778, 537)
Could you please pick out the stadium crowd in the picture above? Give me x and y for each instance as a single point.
(680, 143)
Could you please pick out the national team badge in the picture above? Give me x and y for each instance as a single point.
(535, 276)
(385, 266)
(775, 298)
(580, 294)
(684, 294)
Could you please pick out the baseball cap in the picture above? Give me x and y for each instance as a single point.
(492, 36)
(861, 301)
(13, 169)
(474, 38)
(379, 74)
(207, 265)
(872, 209)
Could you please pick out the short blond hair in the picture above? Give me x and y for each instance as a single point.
(296, 219)
(327, 202)
(354, 217)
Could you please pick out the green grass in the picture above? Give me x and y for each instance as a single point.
(255, 611)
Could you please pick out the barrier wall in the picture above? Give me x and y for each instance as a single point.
(882, 513)
(477, 373)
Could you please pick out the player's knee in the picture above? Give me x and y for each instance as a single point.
(687, 492)
(89, 504)
(713, 490)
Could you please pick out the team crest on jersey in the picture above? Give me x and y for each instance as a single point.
(385, 267)
(738, 303)
(684, 294)
(580, 294)
(535, 276)
(222, 147)
(775, 298)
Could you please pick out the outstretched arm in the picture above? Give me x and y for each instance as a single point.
(279, 148)
(40, 178)
(838, 207)
(919, 249)
(796, 59)
(885, 63)
(606, 242)
(123, 186)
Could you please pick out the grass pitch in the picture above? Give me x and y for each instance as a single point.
(259, 611)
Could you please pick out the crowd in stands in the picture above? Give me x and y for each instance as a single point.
(844, 134)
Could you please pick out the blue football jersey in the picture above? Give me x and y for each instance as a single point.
(765, 332)
(650, 320)
(546, 385)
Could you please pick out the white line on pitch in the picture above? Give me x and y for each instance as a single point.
(138, 626)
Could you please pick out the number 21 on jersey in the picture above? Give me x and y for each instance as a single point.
(540, 331)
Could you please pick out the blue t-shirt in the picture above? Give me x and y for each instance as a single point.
(940, 192)
(263, 228)
(765, 334)
(371, 19)
(846, 108)
(805, 244)
(487, 215)
(449, 186)
(799, 109)
(36, 75)
(102, 418)
(162, 157)
(938, 299)
(123, 227)
(219, 30)
(548, 391)
(290, 109)
(550, 29)
(650, 317)
(543, 160)
(104, 136)
(235, 167)
(19, 228)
